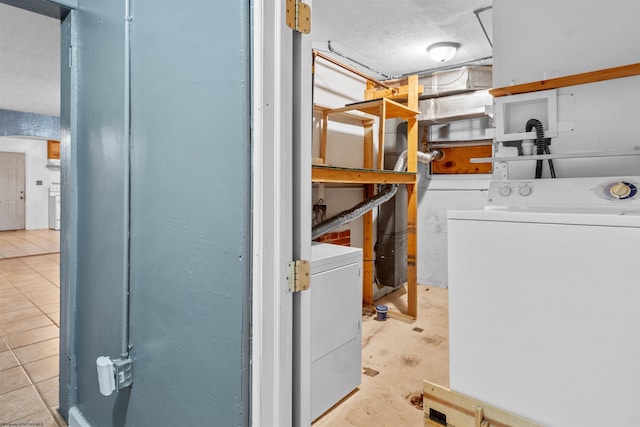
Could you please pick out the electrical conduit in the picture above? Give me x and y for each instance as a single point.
(126, 278)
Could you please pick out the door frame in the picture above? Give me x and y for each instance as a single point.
(65, 10)
(272, 306)
(281, 223)
(68, 384)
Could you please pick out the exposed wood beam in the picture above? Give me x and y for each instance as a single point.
(572, 80)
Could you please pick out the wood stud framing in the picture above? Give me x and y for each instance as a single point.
(412, 198)
(368, 259)
(374, 173)
(459, 410)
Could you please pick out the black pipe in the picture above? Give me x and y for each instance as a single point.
(542, 146)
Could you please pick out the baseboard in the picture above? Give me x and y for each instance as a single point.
(76, 419)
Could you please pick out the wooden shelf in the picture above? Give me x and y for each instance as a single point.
(360, 176)
(343, 117)
(572, 80)
(392, 109)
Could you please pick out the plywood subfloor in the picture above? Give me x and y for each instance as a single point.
(396, 358)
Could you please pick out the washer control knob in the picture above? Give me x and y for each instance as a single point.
(620, 190)
(505, 191)
(525, 190)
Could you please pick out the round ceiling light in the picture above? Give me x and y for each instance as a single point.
(443, 52)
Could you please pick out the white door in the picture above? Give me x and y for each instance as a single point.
(11, 191)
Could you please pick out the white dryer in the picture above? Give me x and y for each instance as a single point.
(336, 320)
(544, 300)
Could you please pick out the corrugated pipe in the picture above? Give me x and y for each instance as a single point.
(387, 193)
(542, 145)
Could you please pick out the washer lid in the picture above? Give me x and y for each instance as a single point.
(565, 216)
(325, 256)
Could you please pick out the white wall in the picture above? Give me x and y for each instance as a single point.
(435, 198)
(577, 37)
(29, 62)
(573, 36)
(562, 37)
(36, 196)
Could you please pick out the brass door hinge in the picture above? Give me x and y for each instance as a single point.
(299, 275)
(298, 16)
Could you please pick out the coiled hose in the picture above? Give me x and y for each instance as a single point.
(542, 146)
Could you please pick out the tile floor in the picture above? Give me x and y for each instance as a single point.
(29, 332)
(397, 355)
(28, 242)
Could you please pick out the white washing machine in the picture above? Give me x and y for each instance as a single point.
(336, 320)
(544, 300)
(54, 206)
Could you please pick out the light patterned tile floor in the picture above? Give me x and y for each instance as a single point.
(29, 242)
(29, 329)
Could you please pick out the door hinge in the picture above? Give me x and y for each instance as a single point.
(298, 16)
(299, 275)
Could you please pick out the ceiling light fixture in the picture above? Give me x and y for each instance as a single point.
(443, 52)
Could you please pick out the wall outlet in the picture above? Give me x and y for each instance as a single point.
(124, 373)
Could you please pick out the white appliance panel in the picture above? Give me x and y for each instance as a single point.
(544, 316)
(335, 297)
(336, 320)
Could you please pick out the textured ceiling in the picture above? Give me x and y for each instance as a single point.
(29, 61)
(392, 36)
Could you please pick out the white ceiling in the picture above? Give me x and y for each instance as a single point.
(29, 61)
(392, 36)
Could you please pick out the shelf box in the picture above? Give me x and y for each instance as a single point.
(513, 112)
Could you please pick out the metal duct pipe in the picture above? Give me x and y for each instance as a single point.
(387, 193)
